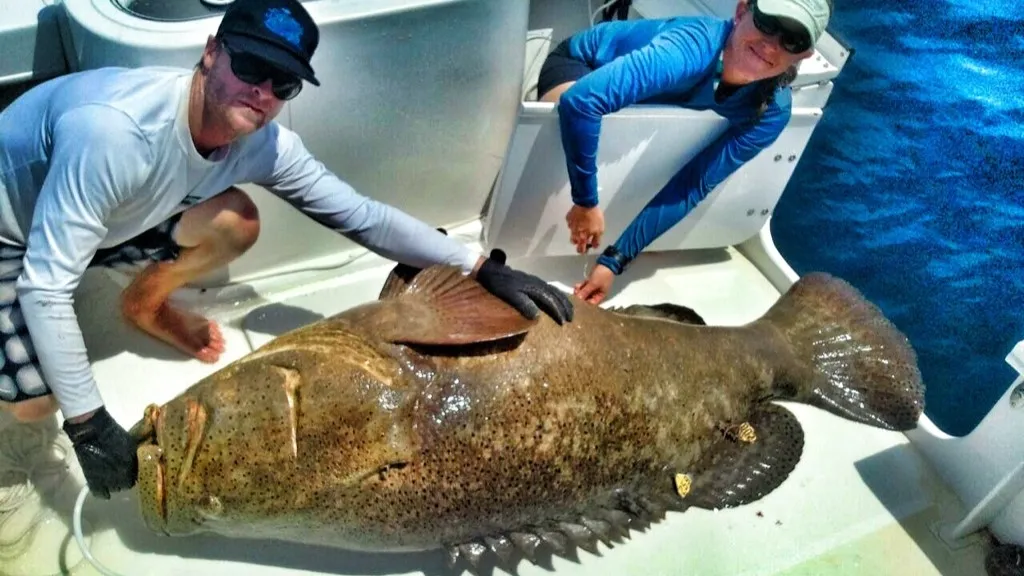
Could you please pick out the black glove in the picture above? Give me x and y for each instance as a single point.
(106, 452)
(524, 292)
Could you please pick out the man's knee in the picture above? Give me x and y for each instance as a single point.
(239, 221)
(230, 217)
(31, 410)
(554, 94)
(236, 201)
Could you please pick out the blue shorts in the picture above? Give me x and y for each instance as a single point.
(558, 68)
(20, 376)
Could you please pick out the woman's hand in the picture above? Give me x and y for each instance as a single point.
(586, 226)
(595, 288)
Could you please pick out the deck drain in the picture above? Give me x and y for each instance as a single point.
(1017, 397)
(1005, 560)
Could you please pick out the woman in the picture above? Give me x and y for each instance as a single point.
(739, 68)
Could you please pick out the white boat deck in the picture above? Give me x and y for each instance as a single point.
(861, 500)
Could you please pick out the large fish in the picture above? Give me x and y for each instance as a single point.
(437, 416)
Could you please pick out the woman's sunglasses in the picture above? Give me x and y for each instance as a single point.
(252, 70)
(792, 36)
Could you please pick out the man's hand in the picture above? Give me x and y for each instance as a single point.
(524, 292)
(106, 453)
(597, 285)
(586, 226)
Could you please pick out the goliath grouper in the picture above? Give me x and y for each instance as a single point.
(439, 417)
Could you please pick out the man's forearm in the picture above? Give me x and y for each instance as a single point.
(403, 238)
(60, 349)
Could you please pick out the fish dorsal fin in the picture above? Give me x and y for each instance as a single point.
(441, 306)
(665, 311)
(609, 524)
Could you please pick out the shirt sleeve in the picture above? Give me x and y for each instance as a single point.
(739, 144)
(99, 159)
(301, 180)
(673, 60)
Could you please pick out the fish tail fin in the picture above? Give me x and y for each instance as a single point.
(849, 359)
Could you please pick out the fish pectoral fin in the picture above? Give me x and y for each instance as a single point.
(665, 311)
(748, 462)
(397, 281)
(441, 306)
(400, 278)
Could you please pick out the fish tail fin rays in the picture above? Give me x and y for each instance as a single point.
(750, 460)
(850, 360)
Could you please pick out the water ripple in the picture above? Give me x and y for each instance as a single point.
(913, 184)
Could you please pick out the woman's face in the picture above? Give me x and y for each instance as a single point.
(752, 55)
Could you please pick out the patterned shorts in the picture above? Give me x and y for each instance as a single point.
(20, 377)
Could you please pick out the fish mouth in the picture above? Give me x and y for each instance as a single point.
(151, 482)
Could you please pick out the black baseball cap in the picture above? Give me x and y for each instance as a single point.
(280, 32)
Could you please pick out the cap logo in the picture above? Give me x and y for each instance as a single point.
(281, 22)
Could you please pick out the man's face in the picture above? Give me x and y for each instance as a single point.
(241, 107)
(756, 55)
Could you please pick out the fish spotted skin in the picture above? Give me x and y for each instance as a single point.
(433, 417)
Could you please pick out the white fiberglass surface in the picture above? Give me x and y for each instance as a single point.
(852, 498)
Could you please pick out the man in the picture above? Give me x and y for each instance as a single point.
(89, 161)
(740, 68)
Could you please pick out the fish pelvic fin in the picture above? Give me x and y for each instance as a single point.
(750, 460)
(849, 359)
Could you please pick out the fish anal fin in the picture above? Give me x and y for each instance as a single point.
(749, 461)
(441, 306)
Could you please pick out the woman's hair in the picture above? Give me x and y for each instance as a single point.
(766, 89)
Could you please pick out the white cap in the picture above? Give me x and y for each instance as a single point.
(812, 14)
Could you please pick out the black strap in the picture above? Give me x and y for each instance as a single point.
(618, 9)
(620, 260)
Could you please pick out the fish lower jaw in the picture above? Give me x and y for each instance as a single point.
(152, 488)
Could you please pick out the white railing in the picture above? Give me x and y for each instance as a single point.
(986, 467)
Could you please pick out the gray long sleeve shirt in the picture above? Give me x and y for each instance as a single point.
(92, 159)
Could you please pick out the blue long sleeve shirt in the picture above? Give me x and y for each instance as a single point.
(671, 61)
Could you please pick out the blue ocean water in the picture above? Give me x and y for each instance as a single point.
(912, 188)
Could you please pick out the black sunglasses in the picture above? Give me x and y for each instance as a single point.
(792, 36)
(255, 71)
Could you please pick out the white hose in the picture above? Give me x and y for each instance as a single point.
(76, 522)
(602, 7)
